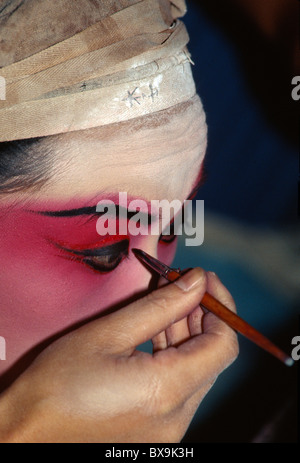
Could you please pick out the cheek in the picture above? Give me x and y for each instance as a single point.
(166, 252)
(43, 294)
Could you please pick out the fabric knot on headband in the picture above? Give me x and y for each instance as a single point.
(130, 64)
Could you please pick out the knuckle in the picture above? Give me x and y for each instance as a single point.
(168, 397)
(228, 347)
(153, 401)
(228, 301)
(214, 276)
(200, 274)
(232, 349)
(231, 303)
(124, 339)
(158, 300)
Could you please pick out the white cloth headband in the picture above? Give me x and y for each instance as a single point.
(127, 65)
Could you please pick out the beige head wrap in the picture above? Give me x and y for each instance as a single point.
(130, 63)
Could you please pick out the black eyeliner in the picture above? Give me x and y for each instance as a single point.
(115, 248)
(92, 211)
(112, 256)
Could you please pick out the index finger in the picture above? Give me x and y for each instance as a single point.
(149, 316)
(202, 358)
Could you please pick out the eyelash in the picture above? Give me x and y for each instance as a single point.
(168, 239)
(106, 259)
(171, 237)
(101, 260)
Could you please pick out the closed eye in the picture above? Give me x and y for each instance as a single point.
(103, 260)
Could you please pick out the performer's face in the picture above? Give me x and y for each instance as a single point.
(57, 270)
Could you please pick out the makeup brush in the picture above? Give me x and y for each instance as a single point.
(211, 304)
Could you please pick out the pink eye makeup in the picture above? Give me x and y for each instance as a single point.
(71, 232)
(60, 271)
(101, 254)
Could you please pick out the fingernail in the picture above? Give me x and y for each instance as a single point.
(190, 280)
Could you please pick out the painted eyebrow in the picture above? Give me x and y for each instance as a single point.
(92, 211)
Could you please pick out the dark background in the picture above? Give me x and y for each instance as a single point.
(245, 55)
(243, 76)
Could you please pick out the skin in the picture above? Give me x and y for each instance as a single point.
(91, 384)
(86, 171)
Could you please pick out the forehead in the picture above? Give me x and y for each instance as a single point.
(156, 160)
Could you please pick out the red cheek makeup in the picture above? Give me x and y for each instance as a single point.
(59, 271)
(209, 303)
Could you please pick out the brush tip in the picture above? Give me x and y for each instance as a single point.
(136, 252)
(289, 362)
(139, 253)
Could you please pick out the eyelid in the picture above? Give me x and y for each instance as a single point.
(96, 251)
(102, 260)
(102, 242)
